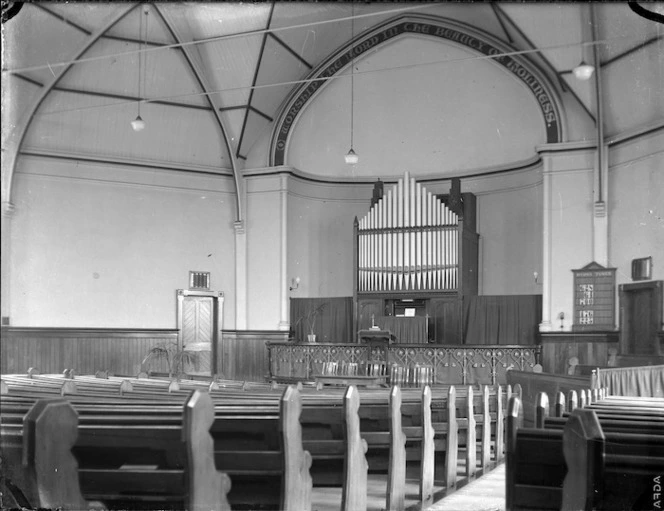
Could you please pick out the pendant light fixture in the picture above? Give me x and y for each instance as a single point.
(351, 157)
(583, 71)
(138, 124)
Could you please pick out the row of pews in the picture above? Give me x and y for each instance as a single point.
(586, 451)
(75, 442)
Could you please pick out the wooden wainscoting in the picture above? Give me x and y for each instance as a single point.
(86, 350)
(242, 354)
(591, 349)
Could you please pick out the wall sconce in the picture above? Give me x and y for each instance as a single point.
(561, 317)
(536, 276)
(295, 283)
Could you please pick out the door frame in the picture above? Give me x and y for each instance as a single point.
(217, 320)
(625, 301)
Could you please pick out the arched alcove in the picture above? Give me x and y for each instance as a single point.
(423, 104)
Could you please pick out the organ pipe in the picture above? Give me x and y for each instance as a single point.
(408, 241)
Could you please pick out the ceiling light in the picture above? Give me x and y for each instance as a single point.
(138, 124)
(583, 71)
(351, 157)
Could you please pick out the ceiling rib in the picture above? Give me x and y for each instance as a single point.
(186, 52)
(132, 99)
(23, 129)
(290, 50)
(638, 47)
(259, 60)
(137, 41)
(28, 79)
(500, 20)
(262, 114)
(552, 68)
(62, 18)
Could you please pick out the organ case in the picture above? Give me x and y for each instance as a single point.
(415, 247)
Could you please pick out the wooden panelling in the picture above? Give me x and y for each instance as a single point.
(242, 354)
(51, 350)
(590, 349)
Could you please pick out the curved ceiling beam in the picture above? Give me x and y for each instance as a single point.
(186, 51)
(15, 141)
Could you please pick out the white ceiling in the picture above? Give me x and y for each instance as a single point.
(243, 59)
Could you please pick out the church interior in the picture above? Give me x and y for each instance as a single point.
(332, 220)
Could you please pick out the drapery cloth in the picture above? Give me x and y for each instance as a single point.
(405, 329)
(644, 381)
(333, 322)
(511, 319)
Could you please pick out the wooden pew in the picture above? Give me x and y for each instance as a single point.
(232, 401)
(48, 472)
(132, 437)
(584, 465)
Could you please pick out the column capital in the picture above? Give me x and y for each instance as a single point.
(239, 227)
(545, 326)
(8, 210)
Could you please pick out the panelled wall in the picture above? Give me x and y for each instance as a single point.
(241, 355)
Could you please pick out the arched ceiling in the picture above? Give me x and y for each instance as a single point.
(230, 67)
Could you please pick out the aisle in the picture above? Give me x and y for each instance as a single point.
(484, 494)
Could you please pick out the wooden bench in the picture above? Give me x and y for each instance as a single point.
(345, 426)
(48, 473)
(111, 439)
(586, 464)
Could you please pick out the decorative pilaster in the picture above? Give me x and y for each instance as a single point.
(240, 275)
(545, 325)
(600, 212)
(284, 320)
(8, 212)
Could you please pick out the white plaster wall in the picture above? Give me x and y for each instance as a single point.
(636, 205)
(448, 119)
(571, 230)
(264, 248)
(104, 246)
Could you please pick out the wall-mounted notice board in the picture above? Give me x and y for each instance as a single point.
(594, 298)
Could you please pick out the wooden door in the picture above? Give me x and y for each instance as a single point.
(640, 318)
(199, 322)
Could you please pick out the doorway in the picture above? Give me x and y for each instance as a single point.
(199, 318)
(640, 318)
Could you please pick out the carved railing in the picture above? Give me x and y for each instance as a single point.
(450, 364)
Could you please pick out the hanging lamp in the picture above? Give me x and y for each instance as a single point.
(138, 124)
(351, 157)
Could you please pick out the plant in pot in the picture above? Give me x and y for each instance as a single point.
(175, 358)
(311, 321)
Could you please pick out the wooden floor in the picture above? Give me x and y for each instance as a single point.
(486, 493)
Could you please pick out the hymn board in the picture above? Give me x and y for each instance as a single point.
(415, 257)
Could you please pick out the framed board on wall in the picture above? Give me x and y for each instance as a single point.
(594, 298)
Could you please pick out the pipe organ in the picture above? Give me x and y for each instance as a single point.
(411, 245)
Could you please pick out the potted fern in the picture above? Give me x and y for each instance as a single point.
(311, 322)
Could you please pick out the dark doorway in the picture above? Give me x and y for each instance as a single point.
(640, 318)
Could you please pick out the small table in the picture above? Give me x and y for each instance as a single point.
(375, 337)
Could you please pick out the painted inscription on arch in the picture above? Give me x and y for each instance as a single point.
(544, 100)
